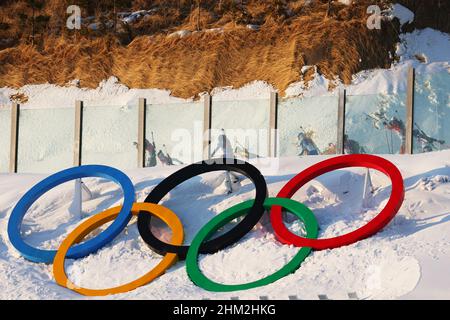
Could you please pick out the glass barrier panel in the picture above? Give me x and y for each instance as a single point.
(246, 127)
(307, 126)
(431, 131)
(110, 136)
(45, 142)
(375, 124)
(174, 134)
(5, 132)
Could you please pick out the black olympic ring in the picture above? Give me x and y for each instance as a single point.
(216, 244)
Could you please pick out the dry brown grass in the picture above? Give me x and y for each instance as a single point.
(340, 46)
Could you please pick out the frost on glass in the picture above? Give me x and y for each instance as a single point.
(375, 124)
(110, 136)
(45, 142)
(431, 112)
(245, 124)
(5, 131)
(307, 126)
(174, 134)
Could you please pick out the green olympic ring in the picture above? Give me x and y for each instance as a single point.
(298, 209)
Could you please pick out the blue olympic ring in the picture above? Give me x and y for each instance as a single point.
(85, 248)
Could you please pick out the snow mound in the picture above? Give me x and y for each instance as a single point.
(398, 262)
(110, 92)
(430, 44)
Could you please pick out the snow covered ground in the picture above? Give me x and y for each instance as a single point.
(409, 259)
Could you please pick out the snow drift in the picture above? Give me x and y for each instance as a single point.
(408, 259)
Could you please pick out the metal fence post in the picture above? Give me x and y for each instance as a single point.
(273, 124)
(78, 133)
(410, 111)
(207, 116)
(341, 122)
(141, 132)
(14, 138)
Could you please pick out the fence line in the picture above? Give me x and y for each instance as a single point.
(14, 142)
(341, 122)
(273, 124)
(273, 148)
(141, 132)
(207, 120)
(78, 133)
(410, 111)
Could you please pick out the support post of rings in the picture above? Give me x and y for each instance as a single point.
(207, 114)
(340, 146)
(141, 132)
(410, 111)
(273, 124)
(78, 133)
(14, 142)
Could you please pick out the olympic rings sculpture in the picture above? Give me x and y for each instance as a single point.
(251, 211)
(90, 246)
(254, 214)
(98, 220)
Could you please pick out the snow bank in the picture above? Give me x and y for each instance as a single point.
(432, 45)
(109, 92)
(427, 50)
(408, 259)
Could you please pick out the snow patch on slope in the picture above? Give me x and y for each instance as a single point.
(433, 45)
(403, 14)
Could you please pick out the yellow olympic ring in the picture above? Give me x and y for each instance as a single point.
(100, 219)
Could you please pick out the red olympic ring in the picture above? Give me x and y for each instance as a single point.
(379, 222)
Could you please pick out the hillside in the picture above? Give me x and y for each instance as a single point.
(189, 49)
